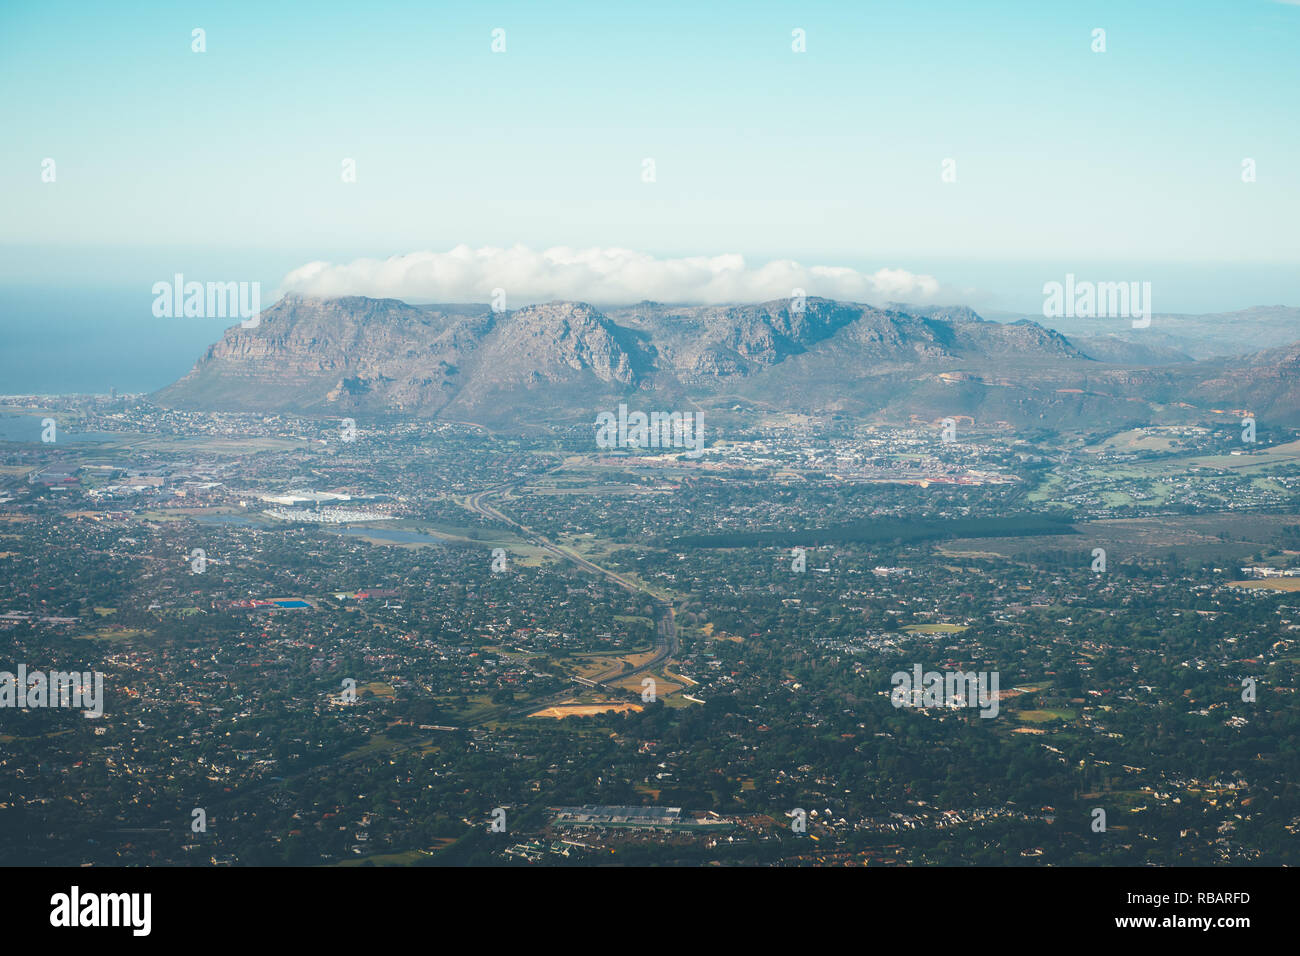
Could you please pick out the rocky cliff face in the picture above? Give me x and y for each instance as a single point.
(561, 359)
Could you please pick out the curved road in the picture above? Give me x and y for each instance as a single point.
(665, 624)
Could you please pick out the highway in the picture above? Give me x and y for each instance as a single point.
(666, 644)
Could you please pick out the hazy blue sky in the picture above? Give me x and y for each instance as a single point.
(228, 162)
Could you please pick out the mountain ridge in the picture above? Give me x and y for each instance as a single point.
(559, 360)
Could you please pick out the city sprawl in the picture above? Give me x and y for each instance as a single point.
(398, 640)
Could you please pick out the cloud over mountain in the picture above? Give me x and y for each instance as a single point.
(602, 276)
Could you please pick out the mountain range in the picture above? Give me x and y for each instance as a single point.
(563, 362)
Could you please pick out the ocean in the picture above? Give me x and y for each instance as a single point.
(57, 340)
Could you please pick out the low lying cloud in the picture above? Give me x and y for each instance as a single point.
(600, 276)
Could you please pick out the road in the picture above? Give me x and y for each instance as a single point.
(666, 644)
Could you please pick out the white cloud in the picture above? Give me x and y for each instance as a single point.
(601, 276)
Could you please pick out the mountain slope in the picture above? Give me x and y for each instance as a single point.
(563, 361)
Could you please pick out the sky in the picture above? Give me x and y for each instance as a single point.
(226, 164)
